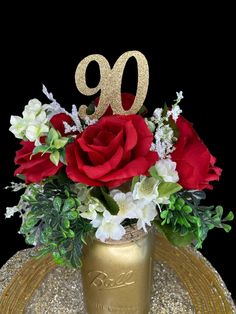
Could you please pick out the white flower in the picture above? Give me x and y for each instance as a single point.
(110, 228)
(35, 131)
(179, 96)
(158, 114)
(126, 204)
(34, 106)
(34, 123)
(175, 112)
(164, 137)
(146, 212)
(166, 168)
(18, 126)
(146, 189)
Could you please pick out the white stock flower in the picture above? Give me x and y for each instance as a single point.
(125, 202)
(17, 126)
(146, 212)
(34, 106)
(166, 168)
(110, 227)
(34, 123)
(35, 131)
(146, 189)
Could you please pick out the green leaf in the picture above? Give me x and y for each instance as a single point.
(57, 202)
(187, 209)
(91, 108)
(55, 158)
(68, 204)
(63, 156)
(40, 149)
(59, 143)
(142, 110)
(153, 172)
(176, 238)
(164, 214)
(219, 211)
(72, 215)
(229, 217)
(165, 189)
(165, 110)
(70, 233)
(66, 223)
(52, 136)
(112, 206)
(174, 128)
(21, 177)
(134, 181)
(226, 227)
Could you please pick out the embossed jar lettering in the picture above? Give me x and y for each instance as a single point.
(101, 280)
(117, 276)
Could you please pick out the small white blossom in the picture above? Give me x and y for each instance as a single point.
(146, 212)
(146, 189)
(175, 112)
(158, 114)
(179, 96)
(166, 168)
(110, 228)
(18, 126)
(34, 123)
(126, 204)
(164, 137)
(35, 131)
(34, 107)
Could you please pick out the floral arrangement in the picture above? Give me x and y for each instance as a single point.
(92, 178)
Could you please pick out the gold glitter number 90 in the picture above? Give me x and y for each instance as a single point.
(110, 83)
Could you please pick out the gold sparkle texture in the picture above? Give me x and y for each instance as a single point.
(110, 83)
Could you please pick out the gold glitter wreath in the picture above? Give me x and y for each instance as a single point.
(204, 285)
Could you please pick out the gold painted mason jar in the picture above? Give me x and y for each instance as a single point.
(117, 275)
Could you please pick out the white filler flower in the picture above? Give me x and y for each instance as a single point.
(110, 227)
(146, 212)
(126, 204)
(146, 189)
(166, 168)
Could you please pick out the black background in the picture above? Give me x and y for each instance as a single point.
(197, 61)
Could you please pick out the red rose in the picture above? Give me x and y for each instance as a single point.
(195, 164)
(127, 102)
(34, 167)
(111, 152)
(57, 122)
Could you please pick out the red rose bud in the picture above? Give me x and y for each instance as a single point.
(57, 122)
(111, 152)
(195, 164)
(34, 167)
